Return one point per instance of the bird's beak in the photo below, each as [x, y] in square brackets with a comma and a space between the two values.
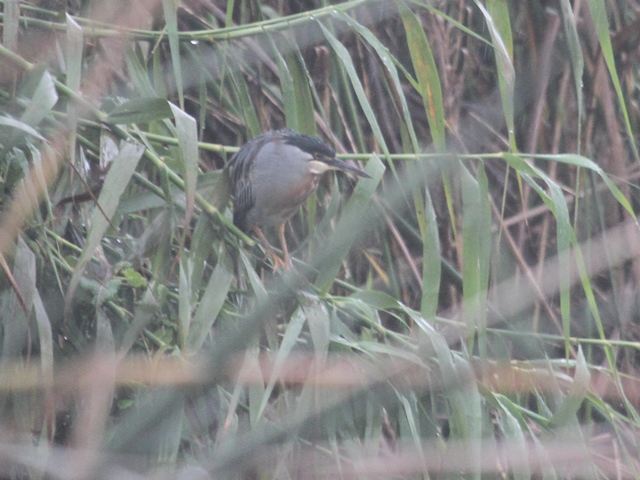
[336, 164]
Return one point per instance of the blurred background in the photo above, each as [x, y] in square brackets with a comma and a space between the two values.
[470, 311]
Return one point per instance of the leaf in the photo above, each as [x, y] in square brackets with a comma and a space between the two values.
[18, 304]
[514, 437]
[140, 110]
[303, 98]
[43, 99]
[577, 61]
[388, 61]
[568, 409]
[144, 312]
[45, 339]
[356, 84]
[122, 168]
[583, 162]
[288, 90]
[16, 124]
[75, 45]
[249, 112]
[318, 321]
[289, 340]
[349, 225]
[187, 134]
[211, 303]
[600, 19]
[500, 31]
[426, 72]
[170, 7]
[185, 296]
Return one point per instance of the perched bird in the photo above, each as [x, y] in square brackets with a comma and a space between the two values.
[272, 175]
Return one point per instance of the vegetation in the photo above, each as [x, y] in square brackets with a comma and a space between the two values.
[469, 311]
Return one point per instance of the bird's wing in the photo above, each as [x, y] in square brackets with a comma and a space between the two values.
[242, 203]
[240, 166]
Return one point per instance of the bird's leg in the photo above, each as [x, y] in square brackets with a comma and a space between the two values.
[283, 245]
[277, 261]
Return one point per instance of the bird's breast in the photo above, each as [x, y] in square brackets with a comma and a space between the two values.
[276, 201]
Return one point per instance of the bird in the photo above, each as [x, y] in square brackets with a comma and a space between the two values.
[272, 175]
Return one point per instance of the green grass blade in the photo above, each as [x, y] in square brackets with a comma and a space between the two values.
[140, 110]
[583, 162]
[427, 75]
[211, 303]
[248, 109]
[574, 399]
[346, 232]
[289, 341]
[289, 99]
[347, 62]
[510, 426]
[120, 173]
[74, 57]
[471, 232]
[186, 299]
[16, 317]
[577, 61]
[41, 101]
[169, 7]
[389, 63]
[187, 135]
[600, 19]
[431, 269]
[497, 20]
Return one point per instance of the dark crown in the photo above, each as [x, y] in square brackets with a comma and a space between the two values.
[306, 143]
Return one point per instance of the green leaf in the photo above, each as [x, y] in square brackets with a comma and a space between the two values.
[249, 111]
[134, 278]
[499, 26]
[347, 62]
[170, 7]
[75, 45]
[211, 303]
[389, 63]
[350, 222]
[427, 75]
[120, 173]
[577, 61]
[583, 162]
[318, 321]
[476, 249]
[599, 15]
[303, 98]
[144, 313]
[45, 339]
[289, 341]
[140, 110]
[139, 75]
[15, 321]
[187, 134]
[18, 125]
[568, 409]
[185, 296]
[288, 90]
[42, 100]
[514, 437]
